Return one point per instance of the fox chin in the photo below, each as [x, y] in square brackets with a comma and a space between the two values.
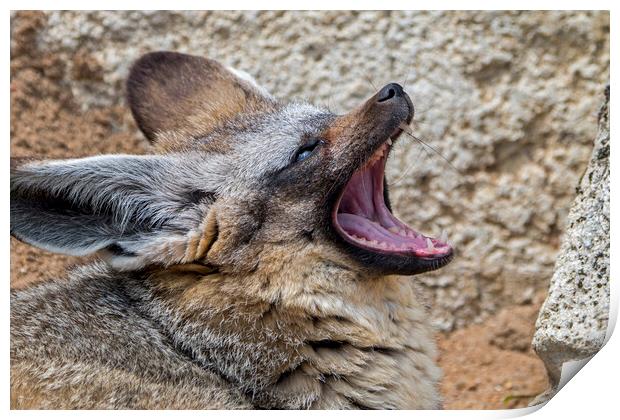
[251, 261]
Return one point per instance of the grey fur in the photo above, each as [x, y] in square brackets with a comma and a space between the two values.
[88, 327]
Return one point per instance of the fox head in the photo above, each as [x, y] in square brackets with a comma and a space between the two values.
[243, 169]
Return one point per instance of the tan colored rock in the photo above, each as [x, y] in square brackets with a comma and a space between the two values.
[506, 97]
[512, 328]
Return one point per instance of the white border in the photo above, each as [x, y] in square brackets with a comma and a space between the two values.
[592, 395]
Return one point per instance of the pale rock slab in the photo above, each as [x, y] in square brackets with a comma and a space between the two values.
[572, 323]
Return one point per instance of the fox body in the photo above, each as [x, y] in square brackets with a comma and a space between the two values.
[252, 261]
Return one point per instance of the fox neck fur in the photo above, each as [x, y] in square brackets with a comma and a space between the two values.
[306, 331]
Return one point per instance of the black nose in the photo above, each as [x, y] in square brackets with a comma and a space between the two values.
[392, 90]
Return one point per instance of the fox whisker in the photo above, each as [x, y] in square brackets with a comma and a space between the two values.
[369, 80]
[405, 173]
[407, 130]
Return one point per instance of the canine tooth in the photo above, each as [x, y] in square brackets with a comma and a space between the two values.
[404, 127]
[444, 236]
[389, 141]
[429, 244]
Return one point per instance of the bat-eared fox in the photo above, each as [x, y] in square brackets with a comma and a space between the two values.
[251, 261]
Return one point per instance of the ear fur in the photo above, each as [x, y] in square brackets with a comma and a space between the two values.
[135, 210]
[170, 248]
[181, 95]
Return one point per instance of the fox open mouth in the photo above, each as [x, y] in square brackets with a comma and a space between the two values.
[363, 219]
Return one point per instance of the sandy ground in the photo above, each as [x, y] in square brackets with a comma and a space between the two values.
[486, 366]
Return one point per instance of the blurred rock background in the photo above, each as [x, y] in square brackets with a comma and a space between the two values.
[509, 98]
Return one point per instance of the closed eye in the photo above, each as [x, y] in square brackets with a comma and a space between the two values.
[305, 151]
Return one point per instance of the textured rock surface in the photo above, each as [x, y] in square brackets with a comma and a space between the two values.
[573, 320]
[506, 97]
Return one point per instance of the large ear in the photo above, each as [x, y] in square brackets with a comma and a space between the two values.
[181, 95]
[135, 210]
